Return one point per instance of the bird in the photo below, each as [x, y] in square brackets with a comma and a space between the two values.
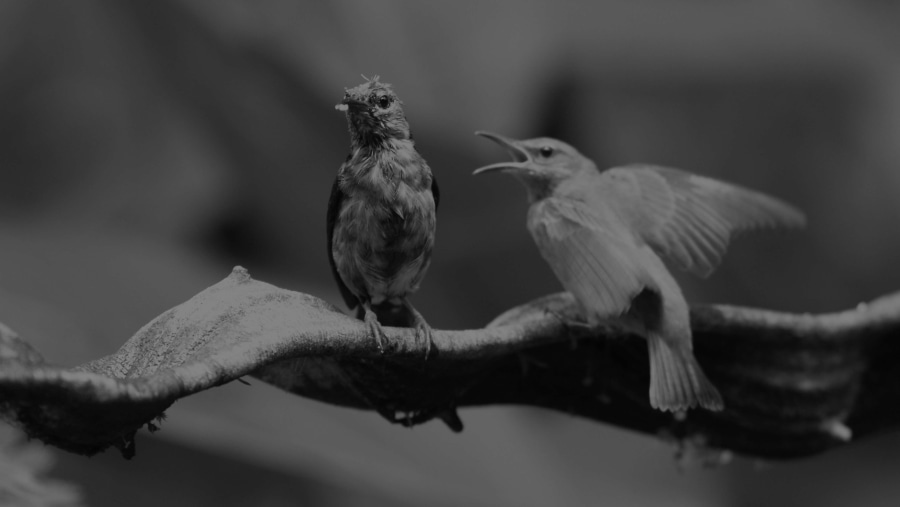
[604, 234]
[381, 216]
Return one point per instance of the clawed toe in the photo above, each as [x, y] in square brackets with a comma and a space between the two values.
[424, 337]
[374, 329]
[424, 332]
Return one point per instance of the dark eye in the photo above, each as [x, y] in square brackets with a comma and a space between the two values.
[384, 102]
[546, 152]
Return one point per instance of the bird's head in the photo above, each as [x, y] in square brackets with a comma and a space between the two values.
[374, 113]
[540, 163]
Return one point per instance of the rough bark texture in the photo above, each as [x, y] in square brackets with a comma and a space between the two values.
[793, 385]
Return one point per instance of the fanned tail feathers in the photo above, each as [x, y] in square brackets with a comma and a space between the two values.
[676, 380]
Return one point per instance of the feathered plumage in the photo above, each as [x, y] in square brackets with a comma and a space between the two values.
[603, 233]
[381, 214]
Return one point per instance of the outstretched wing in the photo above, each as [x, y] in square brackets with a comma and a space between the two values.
[598, 267]
[334, 207]
[686, 217]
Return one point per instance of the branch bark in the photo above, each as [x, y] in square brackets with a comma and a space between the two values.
[793, 385]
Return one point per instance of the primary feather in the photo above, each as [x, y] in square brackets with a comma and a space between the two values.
[686, 217]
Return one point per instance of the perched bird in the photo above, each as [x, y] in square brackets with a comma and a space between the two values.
[603, 233]
[381, 214]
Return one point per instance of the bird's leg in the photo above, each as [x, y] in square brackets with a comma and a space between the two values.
[423, 330]
[373, 326]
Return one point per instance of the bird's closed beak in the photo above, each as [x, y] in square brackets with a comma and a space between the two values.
[351, 104]
[521, 158]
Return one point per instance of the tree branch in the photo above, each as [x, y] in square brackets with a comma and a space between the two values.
[793, 385]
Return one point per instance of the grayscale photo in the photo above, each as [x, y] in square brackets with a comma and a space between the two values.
[419, 253]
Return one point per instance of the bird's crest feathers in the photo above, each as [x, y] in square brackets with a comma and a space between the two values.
[371, 86]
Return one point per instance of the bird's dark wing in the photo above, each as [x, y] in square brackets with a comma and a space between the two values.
[334, 207]
[435, 192]
[686, 217]
[599, 267]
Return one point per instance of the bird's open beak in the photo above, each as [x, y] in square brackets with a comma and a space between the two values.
[521, 158]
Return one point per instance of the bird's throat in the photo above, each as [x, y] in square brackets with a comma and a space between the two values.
[537, 188]
[387, 165]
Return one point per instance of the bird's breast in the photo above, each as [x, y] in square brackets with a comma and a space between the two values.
[384, 235]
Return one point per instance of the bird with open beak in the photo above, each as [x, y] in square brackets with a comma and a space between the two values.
[382, 214]
[603, 234]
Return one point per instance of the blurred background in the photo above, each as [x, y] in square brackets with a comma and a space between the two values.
[147, 147]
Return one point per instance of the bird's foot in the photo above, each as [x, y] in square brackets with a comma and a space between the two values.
[423, 332]
[374, 329]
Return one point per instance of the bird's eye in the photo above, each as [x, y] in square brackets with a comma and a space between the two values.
[546, 151]
[384, 102]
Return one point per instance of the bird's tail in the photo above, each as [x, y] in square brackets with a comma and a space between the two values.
[676, 380]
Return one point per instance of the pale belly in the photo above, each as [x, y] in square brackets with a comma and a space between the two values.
[382, 252]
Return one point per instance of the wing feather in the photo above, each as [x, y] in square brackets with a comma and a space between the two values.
[596, 266]
[686, 217]
[334, 208]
